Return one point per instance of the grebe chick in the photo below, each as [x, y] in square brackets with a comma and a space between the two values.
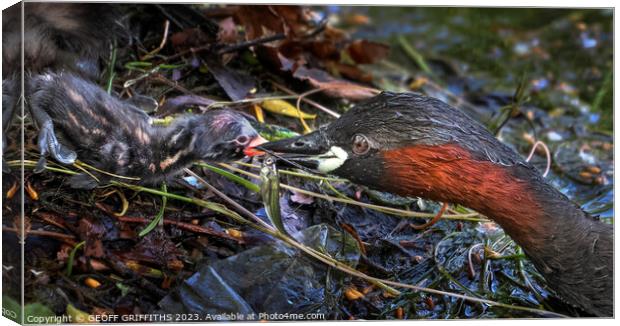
[114, 136]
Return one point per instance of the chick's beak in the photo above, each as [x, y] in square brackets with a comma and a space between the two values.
[250, 149]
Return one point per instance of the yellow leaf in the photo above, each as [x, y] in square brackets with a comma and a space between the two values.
[285, 108]
[418, 83]
[260, 116]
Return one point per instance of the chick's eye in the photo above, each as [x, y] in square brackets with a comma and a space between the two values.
[360, 144]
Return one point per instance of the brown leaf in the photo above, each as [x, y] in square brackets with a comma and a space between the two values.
[295, 19]
[334, 34]
[334, 87]
[365, 52]
[351, 72]
[189, 37]
[324, 50]
[92, 231]
[257, 19]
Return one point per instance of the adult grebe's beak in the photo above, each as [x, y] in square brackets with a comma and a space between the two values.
[309, 151]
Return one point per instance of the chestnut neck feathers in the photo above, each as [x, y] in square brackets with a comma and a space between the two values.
[427, 148]
[572, 250]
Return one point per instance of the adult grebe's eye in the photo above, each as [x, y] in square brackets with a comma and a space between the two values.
[360, 144]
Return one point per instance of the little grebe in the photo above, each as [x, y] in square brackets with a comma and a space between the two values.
[415, 145]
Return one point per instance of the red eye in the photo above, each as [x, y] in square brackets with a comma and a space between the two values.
[360, 144]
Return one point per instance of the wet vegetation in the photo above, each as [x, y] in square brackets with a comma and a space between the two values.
[244, 238]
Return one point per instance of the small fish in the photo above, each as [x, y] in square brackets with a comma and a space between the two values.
[270, 192]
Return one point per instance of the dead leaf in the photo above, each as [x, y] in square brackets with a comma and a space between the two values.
[259, 20]
[285, 108]
[258, 112]
[237, 85]
[324, 50]
[334, 87]
[366, 52]
[189, 37]
[334, 34]
[352, 72]
[353, 232]
[417, 83]
[295, 19]
[92, 231]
